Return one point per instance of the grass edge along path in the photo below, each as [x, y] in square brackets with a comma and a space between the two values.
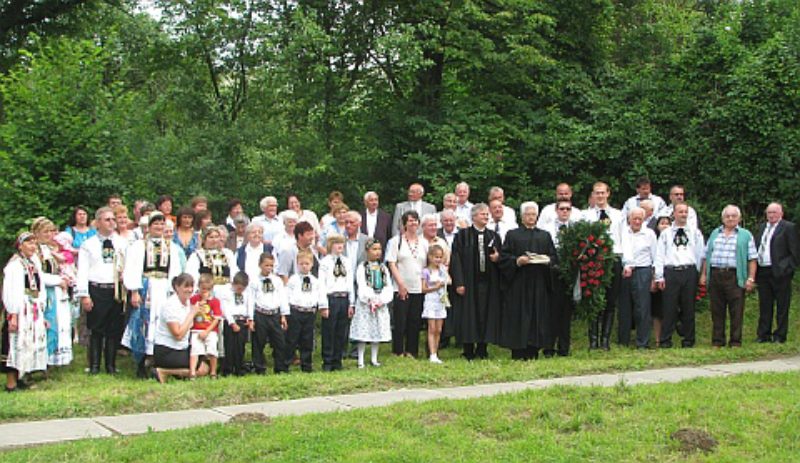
[70, 393]
[748, 417]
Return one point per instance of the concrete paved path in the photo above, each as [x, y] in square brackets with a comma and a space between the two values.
[43, 432]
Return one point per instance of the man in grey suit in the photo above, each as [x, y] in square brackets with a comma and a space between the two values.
[375, 222]
[415, 203]
[778, 256]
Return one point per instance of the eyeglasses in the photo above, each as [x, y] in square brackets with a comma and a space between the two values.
[564, 208]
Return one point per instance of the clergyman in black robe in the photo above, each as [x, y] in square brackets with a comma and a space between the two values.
[476, 279]
[526, 318]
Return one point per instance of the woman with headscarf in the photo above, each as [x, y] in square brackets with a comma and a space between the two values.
[24, 334]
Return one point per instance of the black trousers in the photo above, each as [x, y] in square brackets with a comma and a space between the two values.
[301, 334]
[561, 321]
[106, 318]
[407, 323]
[235, 343]
[334, 333]
[774, 297]
[678, 300]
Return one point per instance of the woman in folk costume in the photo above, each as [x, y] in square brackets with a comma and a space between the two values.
[213, 258]
[150, 266]
[57, 310]
[24, 332]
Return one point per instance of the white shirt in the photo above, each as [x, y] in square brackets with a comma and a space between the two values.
[502, 227]
[351, 250]
[334, 284]
[548, 215]
[271, 226]
[280, 241]
[450, 236]
[614, 229]
[175, 312]
[410, 261]
[668, 254]
[638, 248]
[231, 308]
[372, 222]
[251, 257]
[271, 300]
[554, 228]
[464, 212]
[634, 201]
[509, 215]
[93, 268]
[764, 257]
[315, 296]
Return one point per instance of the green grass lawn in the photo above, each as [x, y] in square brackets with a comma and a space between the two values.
[751, 417]
[69, 392]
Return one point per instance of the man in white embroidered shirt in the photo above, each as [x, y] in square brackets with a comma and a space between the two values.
[679, 255]
[601, 211]
[638, 254]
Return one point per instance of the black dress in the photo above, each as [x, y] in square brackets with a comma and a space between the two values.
[526, 314]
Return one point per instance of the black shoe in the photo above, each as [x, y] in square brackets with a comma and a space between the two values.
[763, 340]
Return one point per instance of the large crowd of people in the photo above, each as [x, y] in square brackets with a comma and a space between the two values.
[185, 296]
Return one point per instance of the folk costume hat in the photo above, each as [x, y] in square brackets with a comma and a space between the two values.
[23, 237]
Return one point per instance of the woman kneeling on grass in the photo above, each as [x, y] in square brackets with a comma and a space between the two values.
[171, 350]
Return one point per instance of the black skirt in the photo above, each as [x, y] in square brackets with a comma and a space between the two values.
[165, 357]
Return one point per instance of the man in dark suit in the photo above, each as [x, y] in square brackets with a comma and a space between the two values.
[414, 203]
[778, 256]
[375, 222]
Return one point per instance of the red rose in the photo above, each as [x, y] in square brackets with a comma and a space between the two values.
[590, 238]
[585, 267]
[601, 272]
[583, 258]
[582, 244]
[575, 253]
[583, 284]
[583, 276]
[591, 273]
[591, 251]
[599, 242]
[587, 293]
[600, 258]
[605, 249]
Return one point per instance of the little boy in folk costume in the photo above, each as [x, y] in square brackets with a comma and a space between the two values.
[237, 310]
[204, 338]
[338, 306]
[270, 313]
[306, 294]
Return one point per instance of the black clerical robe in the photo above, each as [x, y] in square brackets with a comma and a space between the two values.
[474, 322]
[526, 316]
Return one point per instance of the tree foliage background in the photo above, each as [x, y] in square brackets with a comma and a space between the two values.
[243, 98]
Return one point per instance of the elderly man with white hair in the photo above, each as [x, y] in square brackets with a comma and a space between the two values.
[375, 222]
[270, 223]
[638, 255]
[730, 270]
[476, 279]
[415, 203]
[248, 254]
[527, 257]
[463, 206]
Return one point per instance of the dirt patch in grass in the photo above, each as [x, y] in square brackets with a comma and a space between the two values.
[440, 418]
[693, 440]
[249, 418]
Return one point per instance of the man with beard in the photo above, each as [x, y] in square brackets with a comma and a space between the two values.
[527, 256]
[476, 278]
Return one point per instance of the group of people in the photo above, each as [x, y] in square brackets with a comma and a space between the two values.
[180, 293]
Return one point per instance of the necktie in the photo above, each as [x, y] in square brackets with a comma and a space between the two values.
[481, 253]
[561, 227]
[306, 288]
[108, 251]
[497, 227]
[680, 239]
[267, 286]
[604, 217]
[762, 248]
[338, 268]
